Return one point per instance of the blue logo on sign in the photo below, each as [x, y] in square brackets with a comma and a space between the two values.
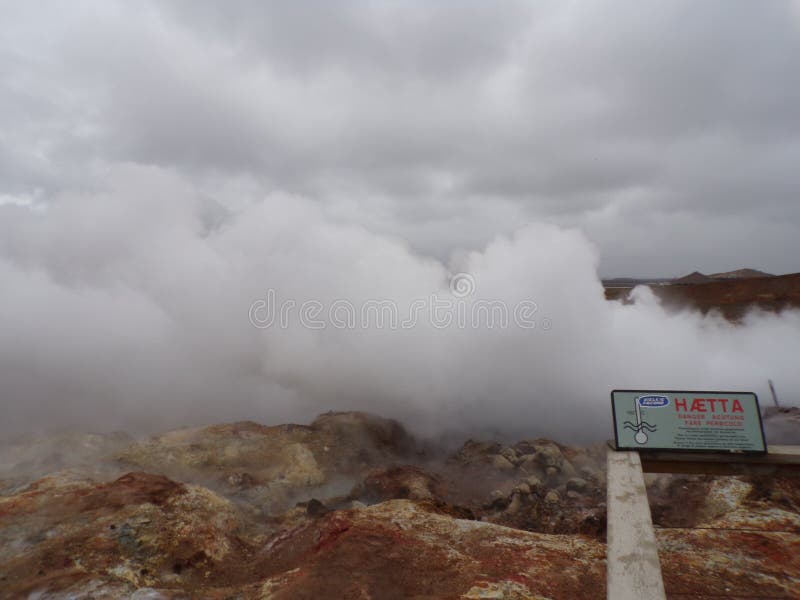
[653, 401]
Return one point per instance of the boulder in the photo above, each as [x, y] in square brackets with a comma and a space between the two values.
[501, 463]
[576, 484]
[523, 488]
[476, 453]
[528, 464]
[397, 482]
[534, 483]
[510, 454]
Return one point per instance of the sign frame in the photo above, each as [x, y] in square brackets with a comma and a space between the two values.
[651, 449]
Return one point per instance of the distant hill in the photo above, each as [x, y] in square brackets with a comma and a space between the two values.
[693, 278]
[698, 277]
[629, 282]
[741, 274]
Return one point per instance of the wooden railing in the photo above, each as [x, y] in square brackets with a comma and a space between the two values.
[634, 571]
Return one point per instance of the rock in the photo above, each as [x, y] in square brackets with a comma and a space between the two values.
[315, 508]
[125, 534]
[271, 467]
[552, 497]
[567, 470]
[573, 495]
[353, 555]
[396, 483]
[515, 505]
[523, 488]
[534, 483]
[502, 590]
[549, 456]
[724, 496]
[526, 461]
[576, 484]
[476, 453]
[501, 463]
[528, 464]
[498, 500]
[301, 468]
[241, 480]
[715, 563]
[367, 431]
[510, 454]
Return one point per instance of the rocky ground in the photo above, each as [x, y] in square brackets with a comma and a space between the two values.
[352, 506]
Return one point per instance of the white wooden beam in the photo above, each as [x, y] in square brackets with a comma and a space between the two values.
[634, 571]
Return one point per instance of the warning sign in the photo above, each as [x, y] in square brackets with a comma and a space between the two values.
[687, 421]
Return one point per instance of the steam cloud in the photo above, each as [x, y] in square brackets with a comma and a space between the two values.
[127, 307]
[164, 164]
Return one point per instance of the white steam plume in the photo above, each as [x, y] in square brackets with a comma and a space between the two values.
[129, 308]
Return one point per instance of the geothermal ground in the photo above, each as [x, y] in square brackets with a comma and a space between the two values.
[353, 506]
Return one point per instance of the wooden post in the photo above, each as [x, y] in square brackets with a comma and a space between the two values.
[634, 571]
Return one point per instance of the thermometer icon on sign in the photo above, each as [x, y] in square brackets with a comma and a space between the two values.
[642, 427]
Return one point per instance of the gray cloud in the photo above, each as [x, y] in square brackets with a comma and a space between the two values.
[383, 40]
[557, 108]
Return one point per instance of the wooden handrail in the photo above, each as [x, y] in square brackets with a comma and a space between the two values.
[633, 567]
[634, 572]
[777, 459]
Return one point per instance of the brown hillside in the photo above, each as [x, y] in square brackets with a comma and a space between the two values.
[741, 274]
[733, 297]
[693, 278]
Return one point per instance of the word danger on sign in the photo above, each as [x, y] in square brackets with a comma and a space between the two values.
[687, 421]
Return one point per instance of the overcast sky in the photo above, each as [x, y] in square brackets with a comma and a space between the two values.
[669, 131]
